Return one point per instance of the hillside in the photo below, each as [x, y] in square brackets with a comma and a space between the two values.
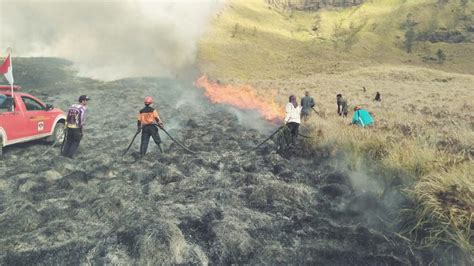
[416, 53]
[254, 40]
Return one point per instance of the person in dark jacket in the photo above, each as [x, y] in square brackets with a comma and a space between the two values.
[148, 123]
[75, 121]
[307, 103]
[342, 109]
[378, 97]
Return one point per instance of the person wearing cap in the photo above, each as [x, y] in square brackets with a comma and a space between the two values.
[148, 123]
[361, 117]
[75, 121]
[307, 103]
[293, 117]
[342, 109]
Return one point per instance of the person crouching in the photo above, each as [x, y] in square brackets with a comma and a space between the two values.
[148, 123]
[362, 117]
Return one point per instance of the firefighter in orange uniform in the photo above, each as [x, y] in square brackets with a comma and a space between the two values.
[148, 123]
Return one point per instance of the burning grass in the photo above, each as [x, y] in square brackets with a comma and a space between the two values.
[243, 97]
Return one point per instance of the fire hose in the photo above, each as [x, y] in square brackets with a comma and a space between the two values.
[308, 137]
[177, 142]
[164, 130]
[315, 111]
[129, 145]
[261, 143]
[56, 142]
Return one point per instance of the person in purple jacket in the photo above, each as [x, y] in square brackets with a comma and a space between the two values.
[75, 121]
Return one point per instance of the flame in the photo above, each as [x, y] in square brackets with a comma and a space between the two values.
[241, 96]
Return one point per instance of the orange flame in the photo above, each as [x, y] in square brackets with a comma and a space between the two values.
[243, 96]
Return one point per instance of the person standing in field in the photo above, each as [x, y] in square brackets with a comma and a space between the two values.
[377, 97]
[76, 118]
[342, 109]
[307, 103]
[293, 117]
[148, 123]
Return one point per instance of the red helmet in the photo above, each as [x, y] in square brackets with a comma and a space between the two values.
[148, 100]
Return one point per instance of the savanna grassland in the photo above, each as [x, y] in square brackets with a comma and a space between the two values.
[417, 54]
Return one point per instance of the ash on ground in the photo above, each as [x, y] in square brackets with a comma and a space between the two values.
[217, 206]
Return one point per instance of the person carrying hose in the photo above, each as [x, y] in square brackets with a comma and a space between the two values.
[148, 123]
[293, 117]
[75, 121]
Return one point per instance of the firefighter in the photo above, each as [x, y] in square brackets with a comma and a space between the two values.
[307, 103]
[148, 123]
[293, 117]
[76, 118]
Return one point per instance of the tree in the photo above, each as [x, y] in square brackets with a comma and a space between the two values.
[236, 30]
[441, 56]
[409, 39]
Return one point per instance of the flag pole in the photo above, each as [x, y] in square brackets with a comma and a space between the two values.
[11, 84]
[9, 50]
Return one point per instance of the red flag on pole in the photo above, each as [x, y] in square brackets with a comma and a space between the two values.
[7, 70]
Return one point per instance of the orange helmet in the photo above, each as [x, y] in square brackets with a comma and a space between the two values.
[148, 100]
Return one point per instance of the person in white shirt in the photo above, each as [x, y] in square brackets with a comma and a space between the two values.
[293, 117]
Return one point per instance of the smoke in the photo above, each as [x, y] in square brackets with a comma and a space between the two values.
[108, 39]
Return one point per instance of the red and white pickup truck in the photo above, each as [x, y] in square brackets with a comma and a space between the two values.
[28, 119]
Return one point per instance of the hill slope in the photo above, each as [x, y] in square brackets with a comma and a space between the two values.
[251, 40]
[424, 128]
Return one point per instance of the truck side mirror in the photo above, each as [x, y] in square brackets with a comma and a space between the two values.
[49, 107]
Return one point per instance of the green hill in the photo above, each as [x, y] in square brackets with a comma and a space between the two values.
[255, 40]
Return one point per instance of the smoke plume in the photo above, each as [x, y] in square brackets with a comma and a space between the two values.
[108, 39]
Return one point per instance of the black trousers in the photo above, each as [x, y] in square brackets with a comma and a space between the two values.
[73, 138]
[147, 131]
[294, 128]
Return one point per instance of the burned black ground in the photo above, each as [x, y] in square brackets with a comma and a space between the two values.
[215, 207]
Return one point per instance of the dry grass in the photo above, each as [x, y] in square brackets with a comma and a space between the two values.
[423, 137]
[445, 207]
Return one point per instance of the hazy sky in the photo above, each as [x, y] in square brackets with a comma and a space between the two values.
[107, 39]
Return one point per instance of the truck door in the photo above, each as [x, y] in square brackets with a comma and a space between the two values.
[38, 122]
[12, 122]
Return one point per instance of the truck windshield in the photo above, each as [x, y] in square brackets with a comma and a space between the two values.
[5, 103]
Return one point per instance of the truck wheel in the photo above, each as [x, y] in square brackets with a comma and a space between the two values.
[58, 133]
[1, 145]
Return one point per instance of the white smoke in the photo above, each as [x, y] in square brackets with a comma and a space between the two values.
[108, 39]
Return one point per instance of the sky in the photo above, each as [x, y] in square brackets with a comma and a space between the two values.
[108, 39]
